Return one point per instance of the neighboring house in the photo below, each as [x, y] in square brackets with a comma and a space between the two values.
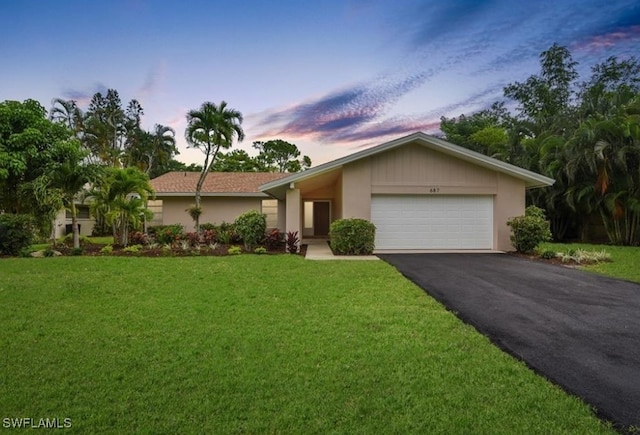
[62, 223]
[225, 196]
[421, 192]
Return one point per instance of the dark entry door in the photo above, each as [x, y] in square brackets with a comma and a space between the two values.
[321, 218]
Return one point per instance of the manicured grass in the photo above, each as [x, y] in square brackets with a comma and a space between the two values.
[624, 259]
[256, 344]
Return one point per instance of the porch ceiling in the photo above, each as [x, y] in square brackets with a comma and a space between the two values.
[319, 181]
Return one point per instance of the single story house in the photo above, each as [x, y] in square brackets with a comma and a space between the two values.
[224, 197]
[421, 192]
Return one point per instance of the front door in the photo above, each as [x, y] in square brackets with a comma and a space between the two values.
[321, 218]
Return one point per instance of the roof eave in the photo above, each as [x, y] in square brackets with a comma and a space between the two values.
[532, 179]
[214, 194]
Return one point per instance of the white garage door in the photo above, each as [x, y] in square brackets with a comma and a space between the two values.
[432, 221]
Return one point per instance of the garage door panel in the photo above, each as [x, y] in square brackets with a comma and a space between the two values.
[432, 222]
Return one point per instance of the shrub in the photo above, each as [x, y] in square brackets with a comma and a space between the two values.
[227, 234]
[292, 242]
[548, 255]
[251, 227]
[209, 236]
[583, 256]
[185, 245]
[167, 234]
[208, 226]
[273, 239]
[234, 250]
[193, 239]
[352, 237]
[260, 250]
[16, 233]
[528, 231]
[77, 251]
[107, 250]
[133, 249]
[138, 238]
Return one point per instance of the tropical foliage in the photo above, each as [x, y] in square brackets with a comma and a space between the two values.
[120, 199]
[585, 135]
[113, 136]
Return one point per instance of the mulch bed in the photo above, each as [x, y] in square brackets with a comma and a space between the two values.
[221, 250]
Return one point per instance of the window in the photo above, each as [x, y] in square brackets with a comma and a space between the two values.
[82, 212]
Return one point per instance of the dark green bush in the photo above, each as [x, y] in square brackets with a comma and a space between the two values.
[352, 237]
[251, 227]
[16, 233]
[226, 234]
[548, 255]
[528, 231]
[77, 251]
[166, 234]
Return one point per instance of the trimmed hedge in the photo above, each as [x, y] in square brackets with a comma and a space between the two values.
[251, 227]
[352, 237]
[528, 231]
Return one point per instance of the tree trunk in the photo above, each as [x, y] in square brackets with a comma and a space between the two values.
[205, 170]
[123, 232]
[74, 226]
[203, 175]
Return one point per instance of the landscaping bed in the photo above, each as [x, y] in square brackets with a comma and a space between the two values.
[95, 249]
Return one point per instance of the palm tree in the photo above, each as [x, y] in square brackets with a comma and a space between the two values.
[66, 176]
[210, 128]
[604, 166]
[68, 113]
[122, 199]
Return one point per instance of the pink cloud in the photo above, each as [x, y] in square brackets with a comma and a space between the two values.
[608, 40]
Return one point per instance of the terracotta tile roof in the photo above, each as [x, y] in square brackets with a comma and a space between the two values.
[216, 182]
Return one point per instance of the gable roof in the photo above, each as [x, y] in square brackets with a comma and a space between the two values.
[530, 178]
[216, 183]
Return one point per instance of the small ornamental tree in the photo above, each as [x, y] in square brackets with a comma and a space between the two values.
[528, 231]
[352, 237]
[251, 227]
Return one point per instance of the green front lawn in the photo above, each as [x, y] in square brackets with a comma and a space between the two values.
[256, 344]
[624, 259]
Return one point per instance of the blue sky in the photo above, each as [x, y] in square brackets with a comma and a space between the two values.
[330, 76]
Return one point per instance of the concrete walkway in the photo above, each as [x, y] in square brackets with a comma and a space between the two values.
[318, 249]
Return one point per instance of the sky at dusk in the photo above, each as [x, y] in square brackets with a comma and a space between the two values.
[330, 76]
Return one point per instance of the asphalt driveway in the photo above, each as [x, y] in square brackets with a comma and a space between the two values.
[578, 329]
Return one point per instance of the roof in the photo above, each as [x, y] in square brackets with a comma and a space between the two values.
[216, 183]
[530, 178]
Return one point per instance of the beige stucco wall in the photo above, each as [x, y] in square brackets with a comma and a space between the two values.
[509, 202]
[415, 169]
[293, 219]
[214, 209]
[336, 204]
[356, 190]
